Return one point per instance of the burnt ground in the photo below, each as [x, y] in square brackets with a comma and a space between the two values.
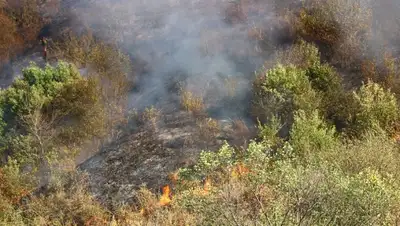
[146, 156]
[216, 48]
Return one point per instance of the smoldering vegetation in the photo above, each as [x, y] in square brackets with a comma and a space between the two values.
[215, 100]
[202, 47]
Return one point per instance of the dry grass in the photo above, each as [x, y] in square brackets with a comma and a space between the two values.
[208, 130]
[340, 26]
[240, 128]
[231, 85]
[150, 116]
[192, 103]
[106, 64]
[10, 41]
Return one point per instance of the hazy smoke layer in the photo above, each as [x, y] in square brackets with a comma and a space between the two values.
[201, 46]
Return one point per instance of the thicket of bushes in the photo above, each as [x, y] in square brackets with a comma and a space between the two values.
[20, 25]
[315, 175]
[325, 154]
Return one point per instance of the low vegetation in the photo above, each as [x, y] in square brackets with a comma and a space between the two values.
[327, 151]
[20, 25]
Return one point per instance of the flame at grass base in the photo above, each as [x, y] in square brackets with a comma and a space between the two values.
[165, 199]
[239, 170]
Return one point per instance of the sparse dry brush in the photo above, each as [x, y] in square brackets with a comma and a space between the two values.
[107, 65]
[20, 24]
[324, 154]
[340, 28]
[384, 71]
[241, 131]
[231, 85]
[10, 41]
[209, 128]
[151, 116]
[192, 103]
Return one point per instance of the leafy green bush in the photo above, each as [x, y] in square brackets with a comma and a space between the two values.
[284, 192]
[375, 107]
[36, 88]
[336, 104]
[302, 54]
[106, 64]
[310, 134]
[47, 110]
[280, 92]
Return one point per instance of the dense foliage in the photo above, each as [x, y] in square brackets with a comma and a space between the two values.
[326, 153]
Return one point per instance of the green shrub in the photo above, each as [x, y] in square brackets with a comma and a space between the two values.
[322, 195]
[336, 104]
[106, 64]
[302, 55]
[14, 186]
[47, 110]
[67, 202]
[36, 88]
[79, 108]
[280, 92]
[310, 135]
[375, 106]
[375, 151]
[284, 192]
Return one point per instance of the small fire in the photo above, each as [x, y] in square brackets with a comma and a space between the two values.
[396, 137]
[95, 221]
[207, 185]
[239, 170]
[165, 199]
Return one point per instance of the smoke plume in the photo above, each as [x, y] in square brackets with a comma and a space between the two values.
[201, 46]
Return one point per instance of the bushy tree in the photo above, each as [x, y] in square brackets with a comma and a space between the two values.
[375, 107]
[280, 92]
[42, 107]
[339, 26]
[302, 55]
[106, 64]
[310, 134]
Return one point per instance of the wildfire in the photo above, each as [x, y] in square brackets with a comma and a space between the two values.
[239, 170]
[207, 185]
[396, 137]
[165, 199]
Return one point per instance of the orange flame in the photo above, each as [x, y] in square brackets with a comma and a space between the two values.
[95, 221]
[166, 196]
[396, 137]
[206, 187]
[239, 170]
